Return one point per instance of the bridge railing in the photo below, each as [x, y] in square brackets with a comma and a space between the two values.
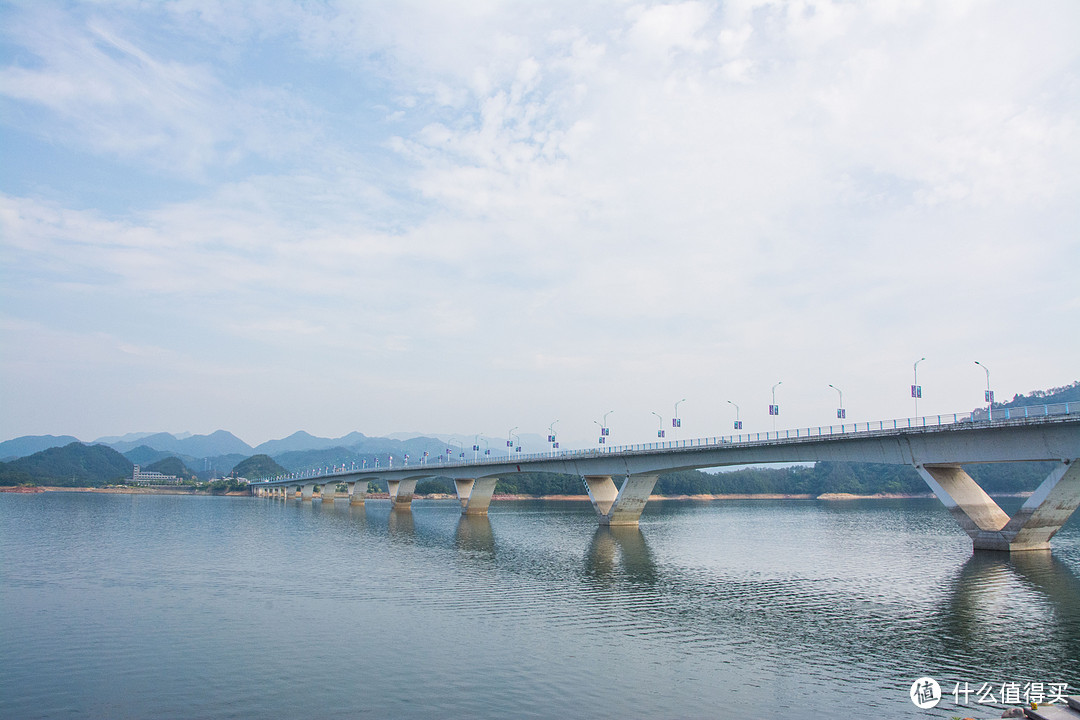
[846, 429]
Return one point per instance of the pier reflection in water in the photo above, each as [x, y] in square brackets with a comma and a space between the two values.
[620, 553]
[1009, 607]
[474, 534]
[178, 607]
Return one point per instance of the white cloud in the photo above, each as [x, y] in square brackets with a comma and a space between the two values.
[660, 30]
[111, 95]
[573, 207]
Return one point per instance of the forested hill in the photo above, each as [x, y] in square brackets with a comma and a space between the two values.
[73, 465]
[258, 466]
[1068, 393]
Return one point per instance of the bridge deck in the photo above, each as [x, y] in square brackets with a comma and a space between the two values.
[795, 445]
[936, 450]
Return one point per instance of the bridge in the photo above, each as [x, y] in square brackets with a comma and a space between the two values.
[936, 446]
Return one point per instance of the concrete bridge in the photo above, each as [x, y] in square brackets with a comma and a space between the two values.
[937, 447]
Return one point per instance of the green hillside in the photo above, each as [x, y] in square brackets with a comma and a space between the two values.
[73, 465]
[257, 466]
[1068, 393]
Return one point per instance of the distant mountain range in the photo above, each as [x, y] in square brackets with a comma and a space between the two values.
[55, 459]
[301, 440]
[219, 452]
[220, 447]
[30, 444]
[220, 442]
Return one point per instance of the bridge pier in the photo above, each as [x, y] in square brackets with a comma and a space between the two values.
[357, 495]
[401, 493]
[475, 494]
[990, 527]
[328, 491]
[620, 506]
[307, 492]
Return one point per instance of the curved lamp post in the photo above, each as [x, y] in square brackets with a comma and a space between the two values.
[774, 409]
[551, 437]
[604, 430]
[675, 421]
[738, 422]
[510, 443]
[916, 389]
[841, 414]
[660, 431]
[989, 393]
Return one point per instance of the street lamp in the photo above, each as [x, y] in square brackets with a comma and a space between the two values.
[916, 389]
[738, 422]
[604, 430]
[841, 414]
[551, 437]
[510, 443]
[989, 393]
[675, 421]
[774, 409]
[659, 432]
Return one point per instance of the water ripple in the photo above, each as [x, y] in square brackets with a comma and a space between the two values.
[184, 607]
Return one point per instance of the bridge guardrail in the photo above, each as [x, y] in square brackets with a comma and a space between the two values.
[981, 415]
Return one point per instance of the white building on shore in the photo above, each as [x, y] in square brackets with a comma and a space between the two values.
[140, 477]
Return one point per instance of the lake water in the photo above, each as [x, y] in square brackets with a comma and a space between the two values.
[118, 606]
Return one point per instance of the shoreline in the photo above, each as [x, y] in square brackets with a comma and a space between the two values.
[832, 497]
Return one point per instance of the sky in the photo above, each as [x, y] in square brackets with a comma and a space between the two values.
[469, 217]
